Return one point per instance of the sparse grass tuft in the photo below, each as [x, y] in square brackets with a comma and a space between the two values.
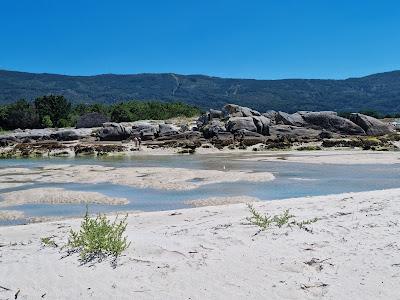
[99, 238]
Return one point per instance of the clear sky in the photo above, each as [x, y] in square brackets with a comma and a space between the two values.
[245, 39]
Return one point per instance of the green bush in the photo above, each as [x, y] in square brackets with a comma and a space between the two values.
[46, 122]
[99, 238]
[137, 110]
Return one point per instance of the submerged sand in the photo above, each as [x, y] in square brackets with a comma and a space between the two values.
[351, 252]
[57, 196]
[10, 215]
[141, 177]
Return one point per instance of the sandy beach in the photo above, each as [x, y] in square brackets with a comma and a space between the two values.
[214, 253]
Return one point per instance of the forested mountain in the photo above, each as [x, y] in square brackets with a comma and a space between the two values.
[380, 92]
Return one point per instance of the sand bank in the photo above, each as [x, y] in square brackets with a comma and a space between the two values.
[214, 201]
[351, 252]
[141, 177]
[56, 196]
[9, 215]
[328, 157]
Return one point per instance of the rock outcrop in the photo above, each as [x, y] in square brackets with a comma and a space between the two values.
[330, 121]
[233, 126]
[289, 119]
[213, 128]
[240, 123]
[70, 134]
[168, 129]
[114, 132]
[370, 125]
[233, 110]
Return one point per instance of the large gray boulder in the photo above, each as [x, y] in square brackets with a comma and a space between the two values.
[168, 129]
[203, 120]
[294, 133]
[114, 132]
[215, 114]
[262, 123]
[332, 122]
[370, 125]
[240, 123]
[272, 115]
[290, 119]
[249, 138]
[145, 131]
[93, 119]
[209, 116]
[70, 134]
[222, 139]
[213, 128]
[233, 110]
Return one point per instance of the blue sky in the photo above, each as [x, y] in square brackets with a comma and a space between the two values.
[243, 39]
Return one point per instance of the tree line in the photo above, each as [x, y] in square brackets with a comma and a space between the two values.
[57, 111]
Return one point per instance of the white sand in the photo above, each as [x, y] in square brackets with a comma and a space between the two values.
[142, 177]
[214, 201]
[56, 196]
[329, 157]
[212, 253]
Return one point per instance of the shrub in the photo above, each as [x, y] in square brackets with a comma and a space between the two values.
[265, 221]
[99, 238]
[262, 221]
[46, 122]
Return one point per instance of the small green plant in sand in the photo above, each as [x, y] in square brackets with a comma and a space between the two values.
[262, 221]
[282, 219]
[302, 224]
[48, 242]
[285, 218]
[99, 238]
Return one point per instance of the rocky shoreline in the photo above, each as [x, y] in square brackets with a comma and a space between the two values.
[233, 127]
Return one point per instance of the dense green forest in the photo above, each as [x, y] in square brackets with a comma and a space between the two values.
[378, 92]
[57, 111]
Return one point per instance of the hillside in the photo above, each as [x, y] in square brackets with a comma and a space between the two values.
[380, 92]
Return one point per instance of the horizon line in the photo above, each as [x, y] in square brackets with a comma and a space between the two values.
[192, 74]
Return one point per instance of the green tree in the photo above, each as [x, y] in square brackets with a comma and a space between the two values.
[56, 107]
[120, 113]
[21, 114]
[46, 122]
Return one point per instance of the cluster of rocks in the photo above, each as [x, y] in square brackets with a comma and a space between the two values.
[233, 126]
[248, 126]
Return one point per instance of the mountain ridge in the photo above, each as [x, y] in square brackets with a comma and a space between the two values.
[379, 92]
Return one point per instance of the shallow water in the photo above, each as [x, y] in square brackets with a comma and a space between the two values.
[292, 180]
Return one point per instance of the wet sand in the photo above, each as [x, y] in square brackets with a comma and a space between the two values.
[56, 196]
